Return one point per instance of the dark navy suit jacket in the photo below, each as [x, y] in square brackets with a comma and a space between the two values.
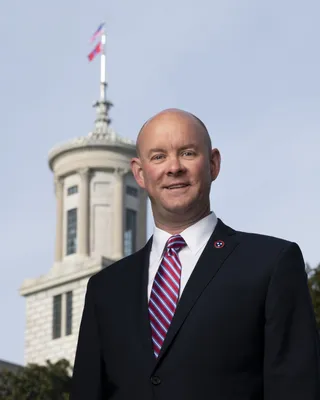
[244, 328]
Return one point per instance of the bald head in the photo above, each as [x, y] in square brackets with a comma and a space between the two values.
[172, 114]
[176, 166]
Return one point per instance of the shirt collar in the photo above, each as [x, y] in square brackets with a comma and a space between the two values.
[196, 235]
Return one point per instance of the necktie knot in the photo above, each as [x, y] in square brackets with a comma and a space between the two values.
[176, 243]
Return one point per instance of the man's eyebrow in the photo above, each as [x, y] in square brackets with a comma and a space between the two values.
[156, 150]
[189, 146]
[161, 150]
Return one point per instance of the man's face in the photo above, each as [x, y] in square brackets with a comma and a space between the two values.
[176, 165]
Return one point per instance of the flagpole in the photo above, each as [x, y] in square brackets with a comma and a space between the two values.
[102, 105]
[103, 82]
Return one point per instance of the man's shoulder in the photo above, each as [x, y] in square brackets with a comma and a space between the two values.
[266, 250]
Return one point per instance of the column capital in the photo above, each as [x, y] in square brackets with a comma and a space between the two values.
[120, 172]
[84, 172]
[58, 179]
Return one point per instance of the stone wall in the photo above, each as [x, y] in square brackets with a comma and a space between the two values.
[39, 344]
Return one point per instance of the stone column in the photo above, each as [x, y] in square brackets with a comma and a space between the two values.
[58, 182]
[83, 228]
[118, 213]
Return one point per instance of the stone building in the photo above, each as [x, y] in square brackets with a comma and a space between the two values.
[100, 218]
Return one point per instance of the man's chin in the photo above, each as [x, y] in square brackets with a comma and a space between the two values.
[178, 209]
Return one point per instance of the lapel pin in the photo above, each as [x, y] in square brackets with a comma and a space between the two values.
[218, 244]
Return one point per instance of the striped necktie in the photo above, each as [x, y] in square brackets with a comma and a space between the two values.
[165, 292]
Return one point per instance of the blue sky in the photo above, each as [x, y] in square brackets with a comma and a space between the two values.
[248, 69]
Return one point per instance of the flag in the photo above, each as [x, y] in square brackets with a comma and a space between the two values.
[97, 32]
[95, 51]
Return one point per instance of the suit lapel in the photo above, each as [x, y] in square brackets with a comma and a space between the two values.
[220, 245]
[142, 315]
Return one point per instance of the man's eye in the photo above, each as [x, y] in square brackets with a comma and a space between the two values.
[188, 153]
[157, 157]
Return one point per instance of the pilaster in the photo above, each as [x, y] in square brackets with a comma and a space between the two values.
[119, 212]
[83, 230]
[59, 185]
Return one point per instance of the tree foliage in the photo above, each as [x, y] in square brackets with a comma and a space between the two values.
[37, 382]
[314, 286]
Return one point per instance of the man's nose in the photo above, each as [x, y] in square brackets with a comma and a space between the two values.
[175, 166]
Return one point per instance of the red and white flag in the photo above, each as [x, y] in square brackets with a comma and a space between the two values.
[97, 50]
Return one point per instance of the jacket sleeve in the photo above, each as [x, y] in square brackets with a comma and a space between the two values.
[88, 372]
[291, 352]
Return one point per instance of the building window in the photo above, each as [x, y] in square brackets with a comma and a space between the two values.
[130, 232]
[62, 315]
[57, 311]
[72, 190]
[132, 191]
[69, 313]
[71, 231]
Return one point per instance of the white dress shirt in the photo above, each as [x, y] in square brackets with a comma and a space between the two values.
[196, 237]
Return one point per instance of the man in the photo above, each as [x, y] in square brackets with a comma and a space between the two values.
[202, 311]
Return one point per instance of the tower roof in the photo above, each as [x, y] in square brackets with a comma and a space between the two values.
[94, 139]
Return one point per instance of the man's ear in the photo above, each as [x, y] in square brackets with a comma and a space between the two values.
[137, 171]
[215, 163]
